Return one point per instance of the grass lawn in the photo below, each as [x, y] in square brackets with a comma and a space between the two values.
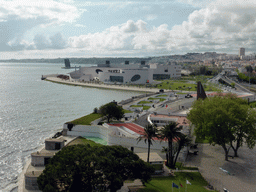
[86, 120]
[183, 85]
[83, 141]
[144, 102]
[164, 184]
[153, 98]
[144, 107]
[127, 111]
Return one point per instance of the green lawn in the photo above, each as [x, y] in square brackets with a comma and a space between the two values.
[183, 85]
[86, 120]
[144, 107]
[164, 184]
[83, 141]
[153, 98]
[144, 102]
[127, 111]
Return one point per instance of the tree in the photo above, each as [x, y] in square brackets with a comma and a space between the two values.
[203, 70]
[244, 126]
[170, 132]
[150, 133]
[225, 121]
[86, 168]
[111, 110]
[249, 68]
[183, 141]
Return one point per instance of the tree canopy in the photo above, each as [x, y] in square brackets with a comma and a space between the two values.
[85, 168]
[112, 110]
[225, 120]
[171, 132]
[149, 135]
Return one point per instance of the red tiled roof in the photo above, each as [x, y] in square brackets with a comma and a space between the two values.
[133, 127]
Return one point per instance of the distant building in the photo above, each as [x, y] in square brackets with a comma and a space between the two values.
[242, 52]
[126, 73]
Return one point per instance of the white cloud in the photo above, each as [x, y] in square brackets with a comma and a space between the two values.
[115, 37]
[33, 9]
[19, 16]
[222, 27]
[222, 24]
[57, 41]
[41, 42]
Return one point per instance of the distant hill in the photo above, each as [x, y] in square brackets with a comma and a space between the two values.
[191, 58]
[79, 60]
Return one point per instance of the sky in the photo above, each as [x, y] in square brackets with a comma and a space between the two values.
[127, 28]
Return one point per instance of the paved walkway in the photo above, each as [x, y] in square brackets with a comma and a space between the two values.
[236, 175]
[104, 86]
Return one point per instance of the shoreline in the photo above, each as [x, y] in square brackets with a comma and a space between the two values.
[102, 86]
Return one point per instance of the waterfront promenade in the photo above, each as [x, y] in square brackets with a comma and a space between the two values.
[104, 86]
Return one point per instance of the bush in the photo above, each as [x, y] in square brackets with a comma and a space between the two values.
[95, 110]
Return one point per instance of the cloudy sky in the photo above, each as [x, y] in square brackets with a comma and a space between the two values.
[78, 28]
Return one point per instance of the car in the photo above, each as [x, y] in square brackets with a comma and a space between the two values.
[188, 96]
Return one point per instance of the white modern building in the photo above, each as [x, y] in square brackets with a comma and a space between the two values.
[127, 73]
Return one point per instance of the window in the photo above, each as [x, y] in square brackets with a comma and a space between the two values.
[117, 79]
[57, 146]
[98, 70]
[166, 70]
[135, 78]
[160, 76]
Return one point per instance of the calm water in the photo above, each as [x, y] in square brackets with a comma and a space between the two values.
[32, 110]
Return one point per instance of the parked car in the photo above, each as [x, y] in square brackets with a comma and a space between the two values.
[188, 96]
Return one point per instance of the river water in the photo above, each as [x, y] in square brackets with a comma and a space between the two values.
[32, 110]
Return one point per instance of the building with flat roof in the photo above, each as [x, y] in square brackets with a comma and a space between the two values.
[126, 73]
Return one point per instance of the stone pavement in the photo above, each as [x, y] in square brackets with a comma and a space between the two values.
[236, 175]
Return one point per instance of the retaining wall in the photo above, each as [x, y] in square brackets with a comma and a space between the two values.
[111, 135]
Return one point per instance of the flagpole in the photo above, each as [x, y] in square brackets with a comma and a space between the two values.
[186, 186]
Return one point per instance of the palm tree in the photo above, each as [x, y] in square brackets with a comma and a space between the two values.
[183, 141]
[150, 133]
[170, 132]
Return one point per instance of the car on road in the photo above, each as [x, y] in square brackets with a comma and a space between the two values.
[188, 96]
